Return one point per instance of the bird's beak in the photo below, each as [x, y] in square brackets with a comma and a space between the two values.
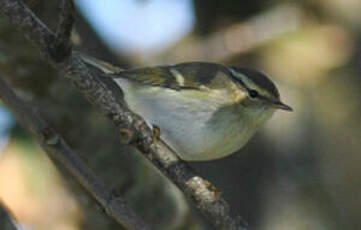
[281, 105]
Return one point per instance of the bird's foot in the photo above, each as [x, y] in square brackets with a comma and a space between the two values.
[156, 133]
[212, 188]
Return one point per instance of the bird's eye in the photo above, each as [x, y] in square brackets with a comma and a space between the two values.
[253, 93]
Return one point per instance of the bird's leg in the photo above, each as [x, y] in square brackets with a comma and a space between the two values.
[156, 133]
[211, 187]
[125, 135]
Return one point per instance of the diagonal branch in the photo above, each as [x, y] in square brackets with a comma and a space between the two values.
[59, 151]
[198, 190]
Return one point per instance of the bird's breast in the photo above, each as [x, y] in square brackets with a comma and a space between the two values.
[190, 121]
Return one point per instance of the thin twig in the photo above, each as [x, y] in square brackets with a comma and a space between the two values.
[198, 190]
[59, 151]
[66, 21]
[7, 222]
[62, 44]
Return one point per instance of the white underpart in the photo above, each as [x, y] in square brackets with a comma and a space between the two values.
[203, 87]
[178, 77]
[183, 118]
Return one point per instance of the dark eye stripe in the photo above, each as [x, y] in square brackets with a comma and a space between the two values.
[259, 79]
[253, 93]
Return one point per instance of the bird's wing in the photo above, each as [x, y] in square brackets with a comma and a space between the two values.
[193, 75]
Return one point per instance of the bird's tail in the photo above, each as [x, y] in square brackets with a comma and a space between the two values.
[103, 66]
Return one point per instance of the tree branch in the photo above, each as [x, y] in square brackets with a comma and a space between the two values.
[199, 191]
[59, 151]
[62, 44]
[6, 220]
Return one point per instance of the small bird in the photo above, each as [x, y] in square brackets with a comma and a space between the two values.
[204, 111]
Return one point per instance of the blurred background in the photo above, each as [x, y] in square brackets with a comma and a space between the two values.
[302, 169]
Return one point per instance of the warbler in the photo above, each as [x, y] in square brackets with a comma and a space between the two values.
[204, 111]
